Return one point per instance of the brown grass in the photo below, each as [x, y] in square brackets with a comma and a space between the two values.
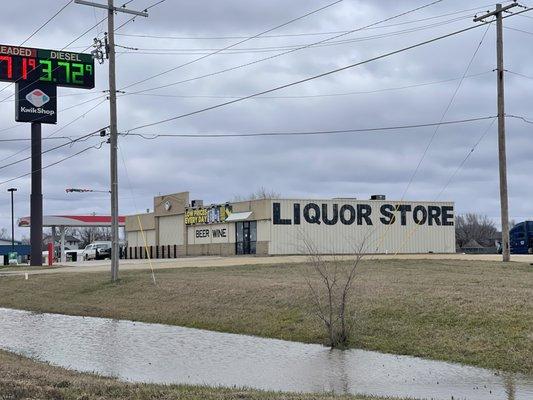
[479, 313]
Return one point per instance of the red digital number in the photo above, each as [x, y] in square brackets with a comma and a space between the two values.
[9, 62]
[25, 63]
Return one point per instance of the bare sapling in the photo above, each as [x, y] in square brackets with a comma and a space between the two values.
[331, 285]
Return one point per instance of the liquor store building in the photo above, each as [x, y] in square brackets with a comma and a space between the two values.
[179, 227]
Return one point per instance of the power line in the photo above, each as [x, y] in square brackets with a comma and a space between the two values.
[64, 47]
[298, 34]
[38, 30]
[304, 133]
[310, 96]
[527, 121]
[519, 74]
[15, 140]
[273, 56]
[331, 72]
[54, 132]
[283, 53]
[266, 49]
[518, 30]
[435, 132]
[135, 16]
[47, 22]
[463, 162]
[448, 106]
[54, 163]
[233, 45]
[81, 138]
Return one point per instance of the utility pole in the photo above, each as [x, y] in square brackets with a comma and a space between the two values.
[504, 198]
[113, 126]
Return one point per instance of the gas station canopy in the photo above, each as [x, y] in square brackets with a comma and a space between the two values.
[78, 221]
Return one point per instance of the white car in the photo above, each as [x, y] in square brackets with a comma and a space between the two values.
[96, 250]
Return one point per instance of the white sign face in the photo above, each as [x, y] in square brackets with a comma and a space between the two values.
[215, 233]
[340, 227]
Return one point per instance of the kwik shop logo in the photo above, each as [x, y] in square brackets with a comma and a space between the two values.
[38, 98]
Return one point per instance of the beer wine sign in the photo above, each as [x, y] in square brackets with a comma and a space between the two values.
[37, 73]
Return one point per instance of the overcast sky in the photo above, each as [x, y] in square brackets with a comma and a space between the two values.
[217, 169]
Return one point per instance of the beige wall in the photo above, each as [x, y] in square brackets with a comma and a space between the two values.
[135, 238]
[147, 222]
[261, 208]
[171, 230]
[178, 202]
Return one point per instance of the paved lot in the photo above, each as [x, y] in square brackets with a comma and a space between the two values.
[202, 262]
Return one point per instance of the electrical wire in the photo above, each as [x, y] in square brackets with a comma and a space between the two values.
[54, 163]
[463, 162]
[447, 108]
[311, 96]
[233, 45]
[303, 133]
[301, 33]
[519, 74]
[38, 30]
[81, 138]
[55, 132]
[518, 30]
[409, 235]
[275, 55]
[270, 49]
[434, 135]
[64, 47]
[47, 22]
[527, 121]
[135, 16]
[327, 73]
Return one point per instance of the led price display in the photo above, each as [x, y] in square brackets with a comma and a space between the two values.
[19, 64]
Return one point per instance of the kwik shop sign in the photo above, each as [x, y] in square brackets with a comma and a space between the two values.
[333, 213]
[36, 102]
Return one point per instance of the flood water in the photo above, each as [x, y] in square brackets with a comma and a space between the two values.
[156, 353]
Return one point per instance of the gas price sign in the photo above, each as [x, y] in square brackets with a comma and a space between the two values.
[59, 68]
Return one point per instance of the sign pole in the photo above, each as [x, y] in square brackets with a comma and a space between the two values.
[36, 199]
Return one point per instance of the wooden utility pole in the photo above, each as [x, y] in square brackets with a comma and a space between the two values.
[504, 198]
[113, 125]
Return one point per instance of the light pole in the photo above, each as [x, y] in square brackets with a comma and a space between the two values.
[12, 190]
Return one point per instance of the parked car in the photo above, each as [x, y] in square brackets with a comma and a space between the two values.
[97, 251]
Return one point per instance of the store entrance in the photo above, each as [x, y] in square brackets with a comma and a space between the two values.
[246, 237]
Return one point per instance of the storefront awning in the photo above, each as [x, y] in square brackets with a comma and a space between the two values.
[240, 216]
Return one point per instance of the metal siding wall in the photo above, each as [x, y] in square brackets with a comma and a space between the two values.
[346, 239]
[171, 230]
[263, 230]
[135, 238]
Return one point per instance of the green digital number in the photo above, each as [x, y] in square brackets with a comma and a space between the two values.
[47, 70]
[77, 76]
[66, 65]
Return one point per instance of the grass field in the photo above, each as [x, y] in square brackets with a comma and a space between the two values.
[478, 313]
[21, 378]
